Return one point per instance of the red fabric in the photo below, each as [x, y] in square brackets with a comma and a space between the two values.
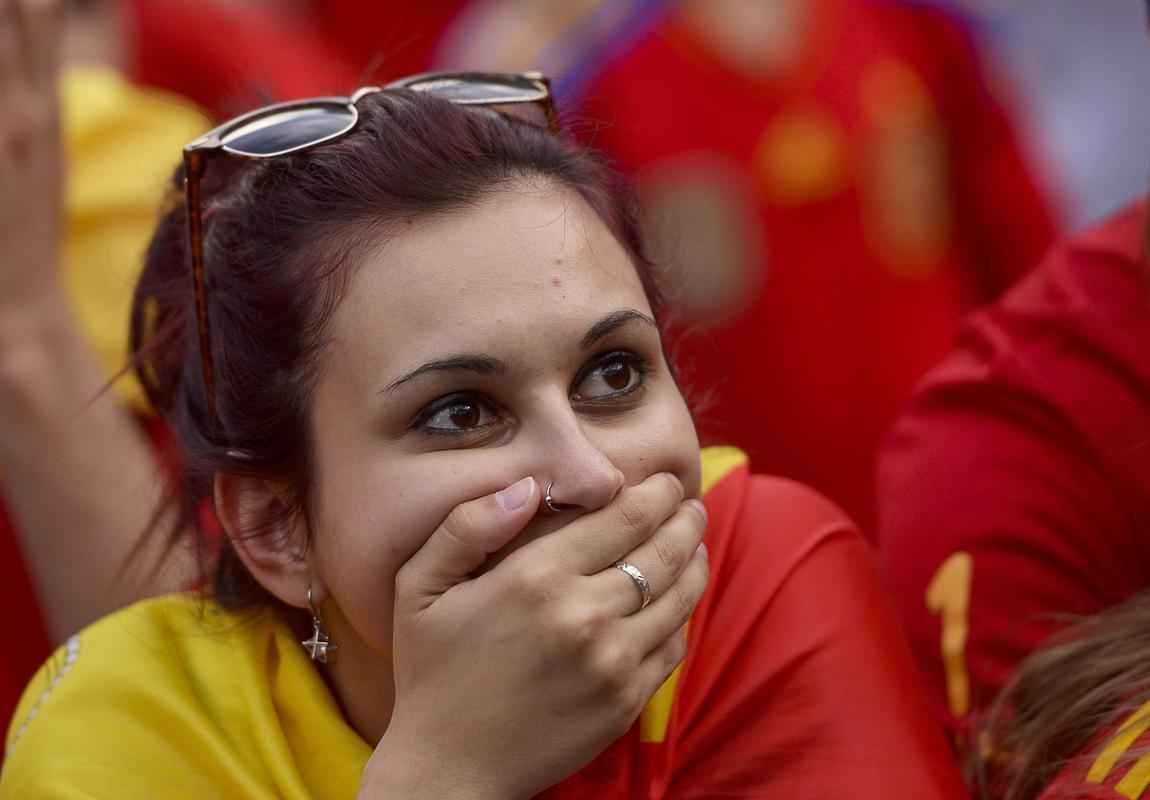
[1029, 449]
[808, 377]
[230, 59]
[398, 38]
[27, 643]
[798, 681]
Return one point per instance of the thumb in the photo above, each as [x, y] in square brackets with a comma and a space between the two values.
[459, 546]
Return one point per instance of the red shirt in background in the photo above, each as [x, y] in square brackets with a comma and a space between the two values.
[26, 642]
[890, 193]
[390, 39]
[229, 59]
[1017, 484]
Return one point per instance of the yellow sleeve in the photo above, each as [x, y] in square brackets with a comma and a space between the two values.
[122, 144]
[114, 715]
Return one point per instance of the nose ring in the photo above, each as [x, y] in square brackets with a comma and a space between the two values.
[550, 503]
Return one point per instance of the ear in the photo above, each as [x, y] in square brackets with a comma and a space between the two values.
[272, 543]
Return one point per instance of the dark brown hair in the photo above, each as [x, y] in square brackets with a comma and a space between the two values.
[282, 236]
[1065, 699]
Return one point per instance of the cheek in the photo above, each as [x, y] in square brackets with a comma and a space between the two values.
[369, 523]
[374, 513]
[665, 442]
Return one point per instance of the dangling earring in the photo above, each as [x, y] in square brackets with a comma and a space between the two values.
[319, 645]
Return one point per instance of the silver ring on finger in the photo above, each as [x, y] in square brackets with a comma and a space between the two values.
[639, 579]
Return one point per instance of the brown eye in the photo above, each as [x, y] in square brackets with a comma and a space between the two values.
[459, 415]
[617, 375]
[614, 376]
[464, 415]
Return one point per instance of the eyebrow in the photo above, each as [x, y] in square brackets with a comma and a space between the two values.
[465, 362]
[613, 322]
[480, 364]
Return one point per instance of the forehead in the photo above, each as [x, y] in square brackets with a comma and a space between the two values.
[527, 264]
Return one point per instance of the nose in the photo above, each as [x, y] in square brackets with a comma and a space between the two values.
[580, 475]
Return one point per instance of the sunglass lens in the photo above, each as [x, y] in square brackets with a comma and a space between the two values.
[289, 130]
[473, 91]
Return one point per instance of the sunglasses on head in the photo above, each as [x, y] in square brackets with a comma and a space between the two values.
[291, 127]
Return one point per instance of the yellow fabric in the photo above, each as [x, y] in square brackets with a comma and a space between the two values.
[1131, 730]
[718, 462]
[176, 698]
[1134, 784]
[122, 144]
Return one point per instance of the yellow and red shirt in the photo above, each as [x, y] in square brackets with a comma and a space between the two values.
[1119, 769]
[797, 683]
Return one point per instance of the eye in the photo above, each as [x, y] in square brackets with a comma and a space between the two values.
[614, 375]
[454, 414]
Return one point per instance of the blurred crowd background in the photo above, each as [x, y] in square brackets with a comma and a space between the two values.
[830, 184]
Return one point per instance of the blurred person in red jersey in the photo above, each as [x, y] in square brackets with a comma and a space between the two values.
[833, 184]
[227, 56]
[387, 39]
[82, 171]
[1074, 721]
[1015, 488]
[1014, 497]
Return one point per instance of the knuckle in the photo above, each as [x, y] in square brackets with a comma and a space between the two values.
[581, 627]
[670, 554]
[405, 581]
[683, 602]
[465, 527]
[612, 666]
[672, 489]
[461, 522]
[696, 521]
[534, 580]
[633, 515]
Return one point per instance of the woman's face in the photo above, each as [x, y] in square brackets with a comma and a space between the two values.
[476, 348]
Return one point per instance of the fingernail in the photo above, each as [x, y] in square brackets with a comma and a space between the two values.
[515, 495]
[702, 550]
[698, 506]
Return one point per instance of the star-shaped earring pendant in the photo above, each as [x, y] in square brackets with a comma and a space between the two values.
[319, 645]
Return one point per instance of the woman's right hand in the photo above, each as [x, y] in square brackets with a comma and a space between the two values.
[508, 682]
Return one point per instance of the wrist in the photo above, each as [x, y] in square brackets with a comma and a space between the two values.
[35, 319]
[38, 345]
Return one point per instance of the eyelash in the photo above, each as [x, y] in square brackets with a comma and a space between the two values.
[636, 362]
[640, 365]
